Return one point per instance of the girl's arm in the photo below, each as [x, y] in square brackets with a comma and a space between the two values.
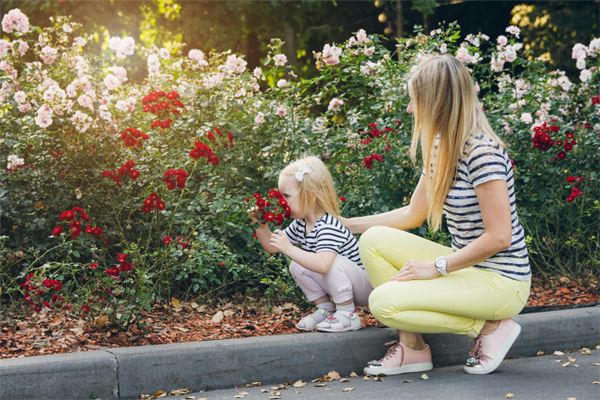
[408, 217]
[497, 236]
[263, 233]
[317, 262]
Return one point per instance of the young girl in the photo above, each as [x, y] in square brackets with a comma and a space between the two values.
[325, 260]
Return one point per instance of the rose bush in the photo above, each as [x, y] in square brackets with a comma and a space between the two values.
[154, 173]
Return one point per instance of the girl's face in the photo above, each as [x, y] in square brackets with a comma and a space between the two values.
[290, 189]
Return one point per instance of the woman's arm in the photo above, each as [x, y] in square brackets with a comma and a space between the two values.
[408, 217]
[497, 236]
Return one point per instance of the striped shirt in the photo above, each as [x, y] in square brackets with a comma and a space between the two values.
[482, 161]
[328, 235]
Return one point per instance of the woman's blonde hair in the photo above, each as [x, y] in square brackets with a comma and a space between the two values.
[446, 112]
[316, 184]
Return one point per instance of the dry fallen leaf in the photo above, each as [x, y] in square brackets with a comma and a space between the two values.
[100, 321]
[322, 384]
[509, 396]
[353, 374]
[218, 317]
[241, 395]
[299, 384]
[159, 393]
[585, 351]
[596, 383]
[571, 398]
[378, 379]
[180, 392]
[540, 353]
[559, 353]
[333, 375]
[253, 384]
[176, 304]
[344, 380]
[566, 364]
[347, 389]
[424, 377]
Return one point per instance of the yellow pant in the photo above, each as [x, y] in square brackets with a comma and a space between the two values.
[459, 303]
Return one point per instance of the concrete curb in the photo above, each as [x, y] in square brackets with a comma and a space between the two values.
[125, 373]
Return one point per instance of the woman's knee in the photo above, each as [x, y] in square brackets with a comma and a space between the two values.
[371, 236]
[385, 301]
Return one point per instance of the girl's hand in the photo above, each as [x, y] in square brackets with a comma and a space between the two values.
[416, 270]
[280, 241]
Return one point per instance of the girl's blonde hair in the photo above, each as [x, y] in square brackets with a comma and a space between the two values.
[446, 112]
[316, 184]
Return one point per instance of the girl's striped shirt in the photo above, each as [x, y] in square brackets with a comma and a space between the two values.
[482, 161]
[328, 235]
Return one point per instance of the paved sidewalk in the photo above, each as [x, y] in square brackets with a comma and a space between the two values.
[537, 378]
[125, 373]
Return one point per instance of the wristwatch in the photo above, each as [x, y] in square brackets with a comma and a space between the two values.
[441, 264]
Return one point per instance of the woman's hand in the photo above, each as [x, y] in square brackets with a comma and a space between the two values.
[280, 242]
[416, 270]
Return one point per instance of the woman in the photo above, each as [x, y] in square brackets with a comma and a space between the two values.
[478, 285]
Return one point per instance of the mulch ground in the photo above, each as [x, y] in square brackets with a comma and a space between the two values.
[175, 322]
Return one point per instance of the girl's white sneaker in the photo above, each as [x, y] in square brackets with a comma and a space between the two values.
[340, 321]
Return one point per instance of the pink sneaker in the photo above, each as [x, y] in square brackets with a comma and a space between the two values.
[489, 350]
[400, 359]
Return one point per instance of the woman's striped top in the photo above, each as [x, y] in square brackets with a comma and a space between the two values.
[328, 235]
[482, 161]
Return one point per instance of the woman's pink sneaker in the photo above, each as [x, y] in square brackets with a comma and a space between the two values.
[400, 359]
[489, 350]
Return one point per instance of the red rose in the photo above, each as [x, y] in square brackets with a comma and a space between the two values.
[56, 231]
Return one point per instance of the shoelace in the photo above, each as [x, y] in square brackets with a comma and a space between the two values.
[476, 354]
[394, 347]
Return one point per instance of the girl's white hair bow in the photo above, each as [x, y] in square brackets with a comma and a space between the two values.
[299, 174]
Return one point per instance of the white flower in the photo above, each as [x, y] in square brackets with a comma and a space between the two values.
[86, 101]
[513, 30]
[164, 53]
[331, 54]
[104, 113]
[510, 54]
[15, 20]
[594, 47]
[22, 47]
[585, 75]
[502, 41]
[257, 73]
[564, 83]
[368, 51]
[335, 104]
[463, 55]
[82, 121]
[153, 64]
[14, 161]
[43, 118]
[443, 48]
[281, 111]
[24, 107]
[5, 46]
[234, 64]
[282, 83]
[259, 119]
[370, 68]
[121, 105]
[497, 63]
[579, 51]
[212, 80]
[198, 56]
[580, 63]
[123, 47]
[526, 118]
[112, 82]
[67, 28]
[280, 60]
[20, 97]
[361, 36]
[49, 54]
[352, 41]
[79, 41]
